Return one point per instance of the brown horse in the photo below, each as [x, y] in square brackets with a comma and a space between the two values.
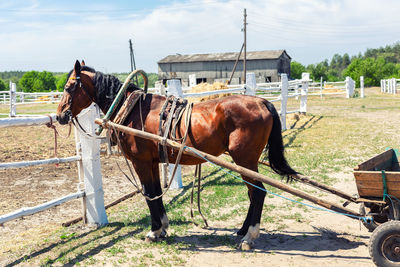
[241, 125]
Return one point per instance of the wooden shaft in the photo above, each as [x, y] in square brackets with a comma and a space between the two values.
[246, 172]
[307, 180]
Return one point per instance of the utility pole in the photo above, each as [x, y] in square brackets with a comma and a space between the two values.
[244, 47]
[133, 63]
[244, 57]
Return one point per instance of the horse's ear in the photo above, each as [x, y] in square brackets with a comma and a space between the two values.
[83, 63]
[77, 68]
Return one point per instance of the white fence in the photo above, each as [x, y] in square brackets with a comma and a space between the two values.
[22, 98]
[88, 160]
[390, 86]
[346, 87]
[14, 98]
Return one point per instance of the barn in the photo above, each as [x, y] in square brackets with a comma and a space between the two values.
[267, 66]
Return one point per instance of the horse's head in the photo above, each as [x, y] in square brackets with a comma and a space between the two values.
[78, 94]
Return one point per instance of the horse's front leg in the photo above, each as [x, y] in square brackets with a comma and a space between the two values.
[150, 178]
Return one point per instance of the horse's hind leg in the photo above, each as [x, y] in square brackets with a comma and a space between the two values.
[150, 180]
[251, 226]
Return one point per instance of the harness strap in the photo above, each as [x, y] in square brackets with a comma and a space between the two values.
[166, 129]
[197, 173]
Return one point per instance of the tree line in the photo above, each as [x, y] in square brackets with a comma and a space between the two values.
[45, 81]
[375, 64]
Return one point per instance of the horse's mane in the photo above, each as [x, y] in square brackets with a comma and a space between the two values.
[107, 87]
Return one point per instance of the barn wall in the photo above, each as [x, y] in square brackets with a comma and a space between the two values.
[264, 69]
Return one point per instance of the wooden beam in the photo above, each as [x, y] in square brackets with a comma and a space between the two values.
[115, 202]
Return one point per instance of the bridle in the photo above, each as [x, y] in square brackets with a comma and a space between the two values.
[68, 112]
[72, 91]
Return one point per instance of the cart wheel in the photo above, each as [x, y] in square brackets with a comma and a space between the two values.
[371, 226]
[384, 245]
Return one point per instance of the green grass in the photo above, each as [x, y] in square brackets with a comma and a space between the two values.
[335, 136]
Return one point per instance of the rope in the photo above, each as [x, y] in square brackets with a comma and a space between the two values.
[363, 218]
[52, 126]
[384, 185]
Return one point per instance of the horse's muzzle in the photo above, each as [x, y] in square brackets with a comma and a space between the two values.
[64, 117]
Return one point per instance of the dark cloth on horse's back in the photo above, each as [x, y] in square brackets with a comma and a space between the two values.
[169, 122]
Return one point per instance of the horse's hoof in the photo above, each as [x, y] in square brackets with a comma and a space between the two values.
[163, 234]
[245, 246]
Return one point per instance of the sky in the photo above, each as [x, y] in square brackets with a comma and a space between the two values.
[51, 35]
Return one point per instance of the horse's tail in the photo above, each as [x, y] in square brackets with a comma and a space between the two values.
[275, 147]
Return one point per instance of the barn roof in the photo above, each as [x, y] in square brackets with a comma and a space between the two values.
[266, 54]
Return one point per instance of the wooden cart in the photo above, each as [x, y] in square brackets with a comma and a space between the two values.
[378, 185]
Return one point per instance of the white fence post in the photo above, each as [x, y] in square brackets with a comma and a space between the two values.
[386, 86]
[305, 77]
[362, 86]
[382, 84]
[192, 80]
[90, 149]
[13, 99]
[391, 85]
[394, 85]
[284, 98]
[160, 88]
[175, 89]
[251, 84]
[349, 87]
[321, 87]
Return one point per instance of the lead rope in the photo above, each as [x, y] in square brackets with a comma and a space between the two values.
[52, 126]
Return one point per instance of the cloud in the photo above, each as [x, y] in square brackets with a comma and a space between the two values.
[310, 30]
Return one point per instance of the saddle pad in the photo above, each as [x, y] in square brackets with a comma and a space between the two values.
[127, 107]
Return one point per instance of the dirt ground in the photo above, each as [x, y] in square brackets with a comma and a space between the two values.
[321, 237]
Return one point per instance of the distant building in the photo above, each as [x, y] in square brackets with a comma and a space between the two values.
[267, 66]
